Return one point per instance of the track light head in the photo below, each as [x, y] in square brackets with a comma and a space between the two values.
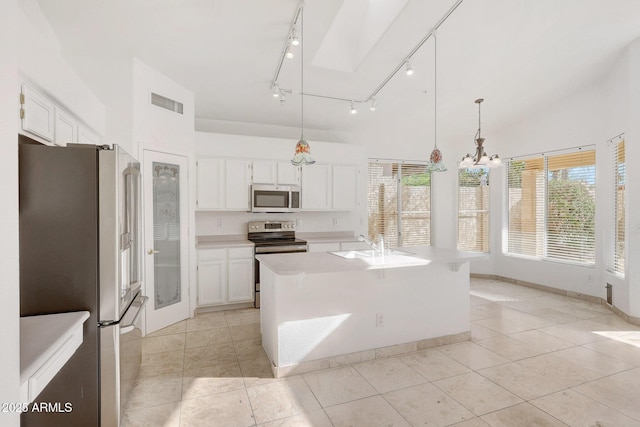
[289, 53]
[276, 91]
[295, 41]
[409, 70]
[353, 109]
[372, 107]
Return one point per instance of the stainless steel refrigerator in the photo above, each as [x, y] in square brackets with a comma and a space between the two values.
[80, 249]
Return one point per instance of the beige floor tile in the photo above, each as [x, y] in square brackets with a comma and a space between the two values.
[577, 333]
[281, 399]
[480, 332]
[581, 311]
[556, 314]
[619, 350]
[257, 371]
[619, 391]
[434, 365]
[559, 370]
[577, 410]
[595, 361]
[207, 337]
[544, 343]
[249, 349]
[521, 381]
[477, 393]
[211, 380]
[161, 363]
[522, 415]
[310, 419]
[340, 385]
[242, 317]
[533, 304]
[371, 411]
[426, 404]
[224, 409]
[506, 325]
[473, 422]
[176, 328]
[163, 343]
[211, 355]
[472, 355]
[509, 347]
[207, 321]
[167, 415]
[389, 374]
[245, 332]
[155, 391]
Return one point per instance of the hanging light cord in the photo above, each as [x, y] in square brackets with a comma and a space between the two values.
[435, 90]
[302, 72]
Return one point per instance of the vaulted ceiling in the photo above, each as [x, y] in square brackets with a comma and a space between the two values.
[517, 54]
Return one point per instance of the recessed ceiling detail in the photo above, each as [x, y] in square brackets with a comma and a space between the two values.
[355, 30]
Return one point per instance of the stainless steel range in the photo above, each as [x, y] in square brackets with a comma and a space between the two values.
[272, 237]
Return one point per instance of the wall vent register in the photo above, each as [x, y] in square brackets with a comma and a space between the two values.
[166, 103]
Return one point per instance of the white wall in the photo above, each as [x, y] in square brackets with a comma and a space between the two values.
[10, 287]
[252, 147]
[592, 115]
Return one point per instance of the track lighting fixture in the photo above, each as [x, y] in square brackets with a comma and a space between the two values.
[409, 70]
[295, 41]
[289, 54]
[276, 91]
[353, 109]
[282, 99]
[372, 107]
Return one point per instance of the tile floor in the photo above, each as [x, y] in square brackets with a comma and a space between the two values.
[535, 359]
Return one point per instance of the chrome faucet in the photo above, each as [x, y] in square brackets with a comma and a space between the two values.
[378, 248]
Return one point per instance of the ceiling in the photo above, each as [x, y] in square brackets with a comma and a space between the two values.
[517, 54]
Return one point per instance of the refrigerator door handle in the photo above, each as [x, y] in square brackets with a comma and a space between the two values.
[139, 302]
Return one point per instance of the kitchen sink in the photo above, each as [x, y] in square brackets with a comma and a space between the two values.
[369, 253]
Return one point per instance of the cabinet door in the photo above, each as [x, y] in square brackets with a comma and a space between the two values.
[237, 184]
[66, 128]
[210, 182]
[211, 282]
[240, 273]
[37, 113]
[345, 187]
[316, 187]
[288, 174]
[264, 172]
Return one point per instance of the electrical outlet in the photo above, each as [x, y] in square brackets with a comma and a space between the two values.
[379, 320]
[589, 277]
[336, 222]
[220, 223]
[298, 222]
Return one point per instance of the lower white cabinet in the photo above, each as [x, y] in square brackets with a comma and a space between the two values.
[225, 276]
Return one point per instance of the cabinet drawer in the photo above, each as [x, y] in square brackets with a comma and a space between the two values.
[236, 253]
[211, 254]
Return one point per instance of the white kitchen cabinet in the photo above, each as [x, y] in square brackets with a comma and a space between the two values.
[265, 172]
[316, 187]
[288, 174]
[37, 113]
[237, 184]
[225, 276]
[345, 188]
[66, 128]
[211, 184]
[212, 275]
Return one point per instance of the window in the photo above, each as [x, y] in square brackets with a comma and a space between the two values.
[551, 206]
[473, 210]
[399, 203]
[616, 229]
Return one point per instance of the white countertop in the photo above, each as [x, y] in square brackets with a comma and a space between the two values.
[46, 343]
[325, 262]
[228, 241]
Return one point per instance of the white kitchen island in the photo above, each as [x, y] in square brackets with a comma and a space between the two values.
[321, 310]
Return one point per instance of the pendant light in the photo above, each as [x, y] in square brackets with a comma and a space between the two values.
[302, 155]
[480, 158]
[435, 159]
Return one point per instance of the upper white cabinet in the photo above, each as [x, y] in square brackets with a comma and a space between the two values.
[316, 187]
[223, 184]
[345, 187]
[275, 172]
[37, 113]
[66, 128]
[288, 173]
[237, 184]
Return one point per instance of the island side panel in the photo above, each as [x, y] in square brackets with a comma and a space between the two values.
[268, 309]
[317, 316]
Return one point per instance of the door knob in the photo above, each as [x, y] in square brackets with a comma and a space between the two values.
[151, 252]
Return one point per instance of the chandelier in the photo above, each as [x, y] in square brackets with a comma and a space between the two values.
[480, 158]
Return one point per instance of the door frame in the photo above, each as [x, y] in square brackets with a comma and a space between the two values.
[191, 239]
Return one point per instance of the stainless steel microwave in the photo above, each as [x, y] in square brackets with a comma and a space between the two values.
[275, 198]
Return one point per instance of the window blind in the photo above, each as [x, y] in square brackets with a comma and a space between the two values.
[399, 203]
[617, 228]
[473, 210]
[551, 203]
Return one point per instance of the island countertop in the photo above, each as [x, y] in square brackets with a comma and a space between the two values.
[326, 262]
